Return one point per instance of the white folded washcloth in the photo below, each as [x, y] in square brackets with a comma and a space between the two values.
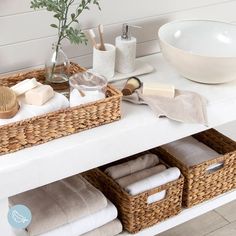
[190, 151]
[154, 181]
[90, 96]
[26, 111]
[130, 167]
[87, 223]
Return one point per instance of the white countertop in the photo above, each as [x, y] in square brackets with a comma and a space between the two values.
[138, 130]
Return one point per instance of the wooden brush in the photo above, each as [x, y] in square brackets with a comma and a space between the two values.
[8, 103]
[131, 85]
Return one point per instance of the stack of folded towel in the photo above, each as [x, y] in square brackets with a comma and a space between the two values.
[143, 174]
[191, 152]
[69, 207]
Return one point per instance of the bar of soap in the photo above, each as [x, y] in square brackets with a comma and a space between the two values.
[39, 95]
[159, 89]
[24, 86]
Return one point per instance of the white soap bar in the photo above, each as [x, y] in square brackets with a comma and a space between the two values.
[158, 89]
[24, 86]
[39, 95]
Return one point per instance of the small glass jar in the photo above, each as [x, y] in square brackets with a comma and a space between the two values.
[57, 70]
[86, 87]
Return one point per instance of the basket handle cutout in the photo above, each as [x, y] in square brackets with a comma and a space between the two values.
[157, 197]
[215, 167]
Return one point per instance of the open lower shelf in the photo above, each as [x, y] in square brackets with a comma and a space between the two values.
[186, 215]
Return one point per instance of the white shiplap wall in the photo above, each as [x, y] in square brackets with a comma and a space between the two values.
[26, 37]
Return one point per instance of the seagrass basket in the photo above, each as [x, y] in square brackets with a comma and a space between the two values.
[200, 184]
[134, 211]
[41, 129]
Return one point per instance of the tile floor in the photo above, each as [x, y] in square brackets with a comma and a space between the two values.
[220, 222]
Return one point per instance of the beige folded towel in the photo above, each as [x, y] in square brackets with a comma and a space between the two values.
[190, 151]
[130, 167]
[130, 179]
[111, 229]
[187, 107]
[60, 203]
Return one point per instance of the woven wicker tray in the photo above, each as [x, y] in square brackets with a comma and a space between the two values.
[41, 129]
[134, 211]
[200, 185]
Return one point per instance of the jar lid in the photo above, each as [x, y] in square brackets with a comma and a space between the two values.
[88, 81]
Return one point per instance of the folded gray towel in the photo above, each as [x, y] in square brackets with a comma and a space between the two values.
[130, 167]
[60, 203]
[190, 151]
[111, 229]
[187, 107]
[130, 179]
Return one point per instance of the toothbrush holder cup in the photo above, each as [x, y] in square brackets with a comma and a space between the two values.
[104, 61]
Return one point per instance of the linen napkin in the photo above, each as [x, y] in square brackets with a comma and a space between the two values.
[186, 107]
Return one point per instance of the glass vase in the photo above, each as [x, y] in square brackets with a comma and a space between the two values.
[57, 70]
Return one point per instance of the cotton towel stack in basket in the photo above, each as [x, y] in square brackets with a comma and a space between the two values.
[143, 189]
[208, 162]
[70, 207]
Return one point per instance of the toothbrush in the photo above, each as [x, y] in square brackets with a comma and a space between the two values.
[101, 32]
[93, 38]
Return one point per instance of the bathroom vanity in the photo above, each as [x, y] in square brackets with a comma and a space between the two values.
[137, 131]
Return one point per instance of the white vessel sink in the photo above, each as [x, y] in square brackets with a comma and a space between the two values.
[201, 50]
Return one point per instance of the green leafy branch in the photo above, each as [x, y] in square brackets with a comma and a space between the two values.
[61, 9]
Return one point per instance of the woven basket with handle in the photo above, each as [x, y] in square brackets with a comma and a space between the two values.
[200, 184]
[134, 211]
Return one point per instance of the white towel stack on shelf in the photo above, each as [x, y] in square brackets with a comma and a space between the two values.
[143, 174]
[69, 207]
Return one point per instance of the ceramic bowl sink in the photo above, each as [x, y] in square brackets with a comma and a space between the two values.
[202, 51]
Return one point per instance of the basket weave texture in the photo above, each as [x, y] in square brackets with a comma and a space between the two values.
[41, 129]
[201, 185]
[134, 211]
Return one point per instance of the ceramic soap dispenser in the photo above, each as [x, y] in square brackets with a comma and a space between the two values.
[126, 51]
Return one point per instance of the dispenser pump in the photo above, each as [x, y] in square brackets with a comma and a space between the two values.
[126, 32]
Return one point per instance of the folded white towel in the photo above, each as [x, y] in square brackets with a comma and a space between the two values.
[26, 111]
[130, 167]
[76, 99]
[190, 151]
[110, 229]
[87, 223]
[153, 181]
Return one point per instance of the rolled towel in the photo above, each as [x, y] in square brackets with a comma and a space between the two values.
[130, 179]
[86, 224]
[130, 167]
[110, 229]
[60, 203]
[190, 151]
[26, 111]
[153, 181]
